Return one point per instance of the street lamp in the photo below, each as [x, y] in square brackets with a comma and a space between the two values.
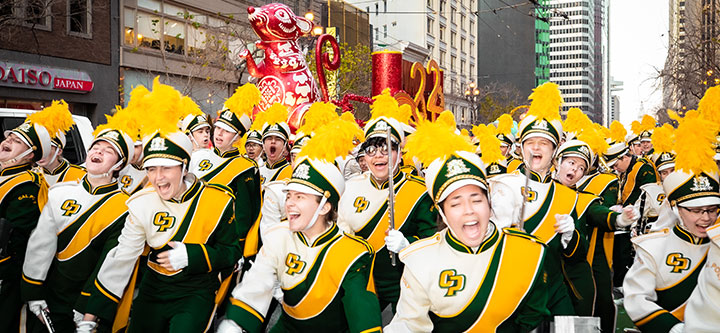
[472, 95]
[310, 16]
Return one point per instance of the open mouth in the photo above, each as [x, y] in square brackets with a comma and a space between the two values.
[703, 227]
[96, 159]
[163, 187]
[293, 216]
[273, 150]
[286, 29]
[6, 149]
[471, 229]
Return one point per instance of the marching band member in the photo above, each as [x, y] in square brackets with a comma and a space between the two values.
[646, 144]
[195, 124]
[668, 262]
[652, 200]
[472, 275]
[254, 147]
[224, 166]
[22, 194]
[55, 168]
[79, 224]
[325, 275]
[702, 313]
[634, 172]
[507, 142]
[364, 209]
[488, 135]
[272, 123]
[188, 226]
[547, 213]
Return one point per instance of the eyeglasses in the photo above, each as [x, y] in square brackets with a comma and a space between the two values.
[699, 211]
[372, 150]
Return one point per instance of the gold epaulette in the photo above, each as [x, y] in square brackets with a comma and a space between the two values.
[512, 231]
[361, 241]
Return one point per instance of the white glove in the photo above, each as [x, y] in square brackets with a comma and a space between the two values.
[629, 215]
[616, 208]
[565, 226]
[77, 317]
[86, 327]
[37, 307]
[229, 326]
[178, 255]
[240, 263]
[395, 241]
[678, 328]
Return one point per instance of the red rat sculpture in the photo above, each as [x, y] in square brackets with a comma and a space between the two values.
[284, 75]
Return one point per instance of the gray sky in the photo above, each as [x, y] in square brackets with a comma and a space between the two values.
[638, 44]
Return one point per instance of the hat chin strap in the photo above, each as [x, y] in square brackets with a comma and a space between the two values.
[20, 156]
[105, 174]
[316, 214]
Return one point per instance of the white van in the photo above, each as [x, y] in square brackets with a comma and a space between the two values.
[78, 138]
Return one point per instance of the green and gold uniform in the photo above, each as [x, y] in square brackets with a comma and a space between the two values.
[449, 287]
[20, 190]
[326, 282]
[76, 229]
[182, 300]
[65, 172]
[363, 211]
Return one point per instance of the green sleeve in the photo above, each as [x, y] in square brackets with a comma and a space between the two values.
[601, 217]
[661, 323]
[221, 252]
[247, 201]
[577, 248]
[362, 309]
[109, 241]
[20, 208]
[423, 220]
[534, 308]
[645, 175]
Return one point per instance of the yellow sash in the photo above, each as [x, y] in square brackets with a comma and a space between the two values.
[405, 200]
[629, 183]
[330, 275]
[100, 219]
[563, 201]
[596, 185]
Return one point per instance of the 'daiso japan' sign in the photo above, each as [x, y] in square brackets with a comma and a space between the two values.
[31, 76]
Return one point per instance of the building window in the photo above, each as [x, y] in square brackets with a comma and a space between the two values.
[129, 22]
[430, 3]
[442, 58]
[430, 24]
[385, 6]
[442, 33]
[79, 18]
[452, 63]
[462, 66]
[452, 15]
[36, 14]
[472, 26]
[377, 33]
[384, 31]
[442, 7]
[462, 44]
[462, 21]
[453, 36]
[472, 70]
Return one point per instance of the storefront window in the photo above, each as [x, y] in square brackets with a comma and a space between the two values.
[149, 4]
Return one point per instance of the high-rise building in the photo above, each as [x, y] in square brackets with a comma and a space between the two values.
[602, 57]
[615, 86]
[693, 60]
[574, 64]
[447, 28]
[513, 43]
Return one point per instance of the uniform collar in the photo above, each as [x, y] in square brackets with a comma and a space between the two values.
[320, 240]
[16, 169]
[456, 244]
[397, 178]
[191, 191]
[230, 153]
[279, 164]
[534, 176]
[102, 189]
[687, 236]
[60, 168]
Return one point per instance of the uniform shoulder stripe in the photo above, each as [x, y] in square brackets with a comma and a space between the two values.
[652, 235]
[222, 188]
[416, 179]
[361, 241]
[515, 232]
[419, 245]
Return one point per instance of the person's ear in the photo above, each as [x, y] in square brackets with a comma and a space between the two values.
[326, 208]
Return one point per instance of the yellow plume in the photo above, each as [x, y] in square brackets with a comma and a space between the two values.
[276, 113]
[55, 118]
[635, 127]
[617, 131]
[604, 131]
[188, 106]
[137, 95]
[663, 139]
[124, 120]
[319, 113]
[386, 105]
[160, 109]
[505, 124]
[446, 118]
[464, 132]
[546, 102]
[694, 139]
[240, 144]
[489, 144]
[576, 121]
[647, 123]
[433, 140]
[709, 106]
[595, 140]
[334, 139]
[243, 101]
